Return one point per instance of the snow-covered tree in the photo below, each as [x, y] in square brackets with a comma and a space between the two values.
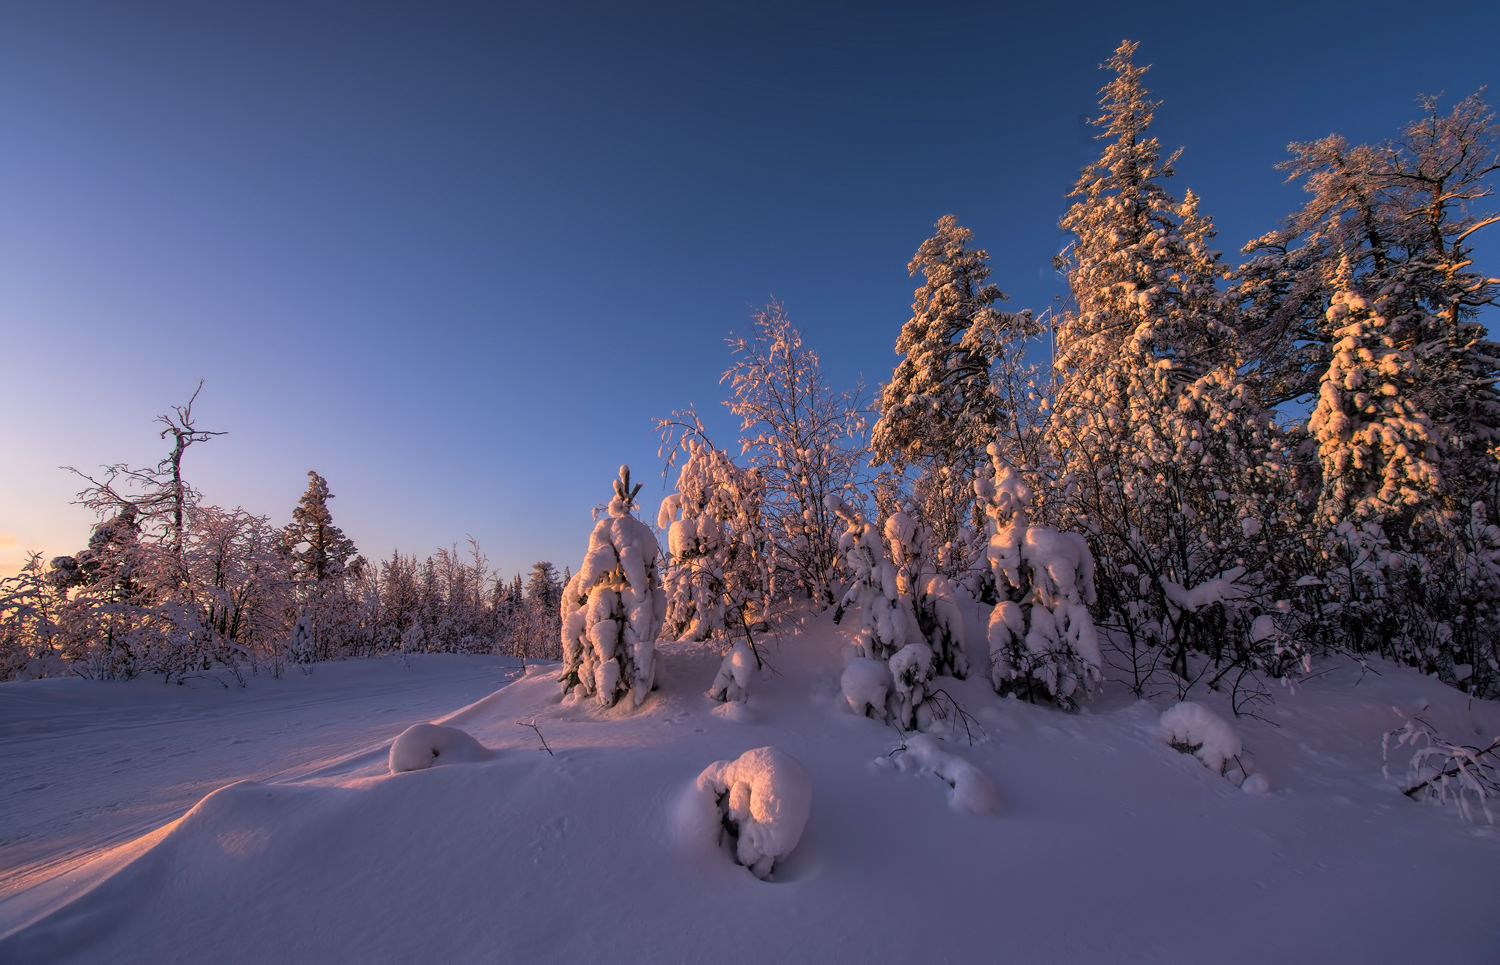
[716, 579]
[940, 408]
[318, 550]
[612, 607]
[1166, 461]
[1041, 633]
[932, 598]
[804, 441]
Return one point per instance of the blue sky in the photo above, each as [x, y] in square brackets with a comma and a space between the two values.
[455, 257]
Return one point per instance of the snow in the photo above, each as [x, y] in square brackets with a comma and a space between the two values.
[1192, 726]
[865, 684]
[764, 796]
[972, 791]
[1105, 836]
[421, 746]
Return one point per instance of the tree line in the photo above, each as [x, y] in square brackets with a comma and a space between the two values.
[169, 584]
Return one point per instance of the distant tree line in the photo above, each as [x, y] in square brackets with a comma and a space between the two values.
[171, 585]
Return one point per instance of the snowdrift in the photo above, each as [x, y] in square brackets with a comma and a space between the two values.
[1054, 837]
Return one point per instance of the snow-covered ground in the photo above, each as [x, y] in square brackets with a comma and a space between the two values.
[88, 765]
[1097, 842]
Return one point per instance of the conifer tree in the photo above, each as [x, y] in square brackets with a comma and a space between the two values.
[939, 411]
[318, 550]
[1165, 455]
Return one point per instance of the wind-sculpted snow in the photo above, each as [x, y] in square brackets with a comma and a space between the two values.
[764, 797]
[589, 853]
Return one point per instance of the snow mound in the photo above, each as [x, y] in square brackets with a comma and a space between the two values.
[865, 684]
[423, 745]
[764, 797]
[972, 790]
[1194, 729]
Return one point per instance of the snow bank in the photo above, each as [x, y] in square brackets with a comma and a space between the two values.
[972, 790]
[764, 797]
[1193, 728]
[423, 745]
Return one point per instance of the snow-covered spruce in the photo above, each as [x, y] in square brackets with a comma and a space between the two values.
[1041, 632]
[426, 745]
[612, 607]
[931, 597]
[886, 622]
[972, 790]
[1194, 729]
[764, 797]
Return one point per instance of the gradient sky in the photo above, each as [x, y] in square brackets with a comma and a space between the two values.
[455, 257]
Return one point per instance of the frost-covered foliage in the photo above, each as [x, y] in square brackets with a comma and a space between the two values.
[940, 409]
[1041, 633]
[422, 746]
[1194, 729]
[612, 607]
[804, 441]
[715, 578]
[1468, 775]
[763, 797]
[1182, 483]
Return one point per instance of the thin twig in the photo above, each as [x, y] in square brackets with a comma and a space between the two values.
[532, 724]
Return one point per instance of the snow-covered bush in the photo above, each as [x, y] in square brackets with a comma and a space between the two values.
[972, 790]
[427, 745]
[886, 621]
[1439, 770]
[612, 607]
[866, 684]
[738, 669]
[911, 675]
[1194, 729]
[764, 797]
[1041, 632]
[931, 597]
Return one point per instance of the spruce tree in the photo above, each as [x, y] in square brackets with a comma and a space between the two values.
[1167, 461]
[939, 411]
[317, 549]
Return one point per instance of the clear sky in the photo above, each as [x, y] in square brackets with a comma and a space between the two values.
[455, 257]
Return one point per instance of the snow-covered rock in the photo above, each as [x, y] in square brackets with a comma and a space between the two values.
[764, 796]
[424, 745]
